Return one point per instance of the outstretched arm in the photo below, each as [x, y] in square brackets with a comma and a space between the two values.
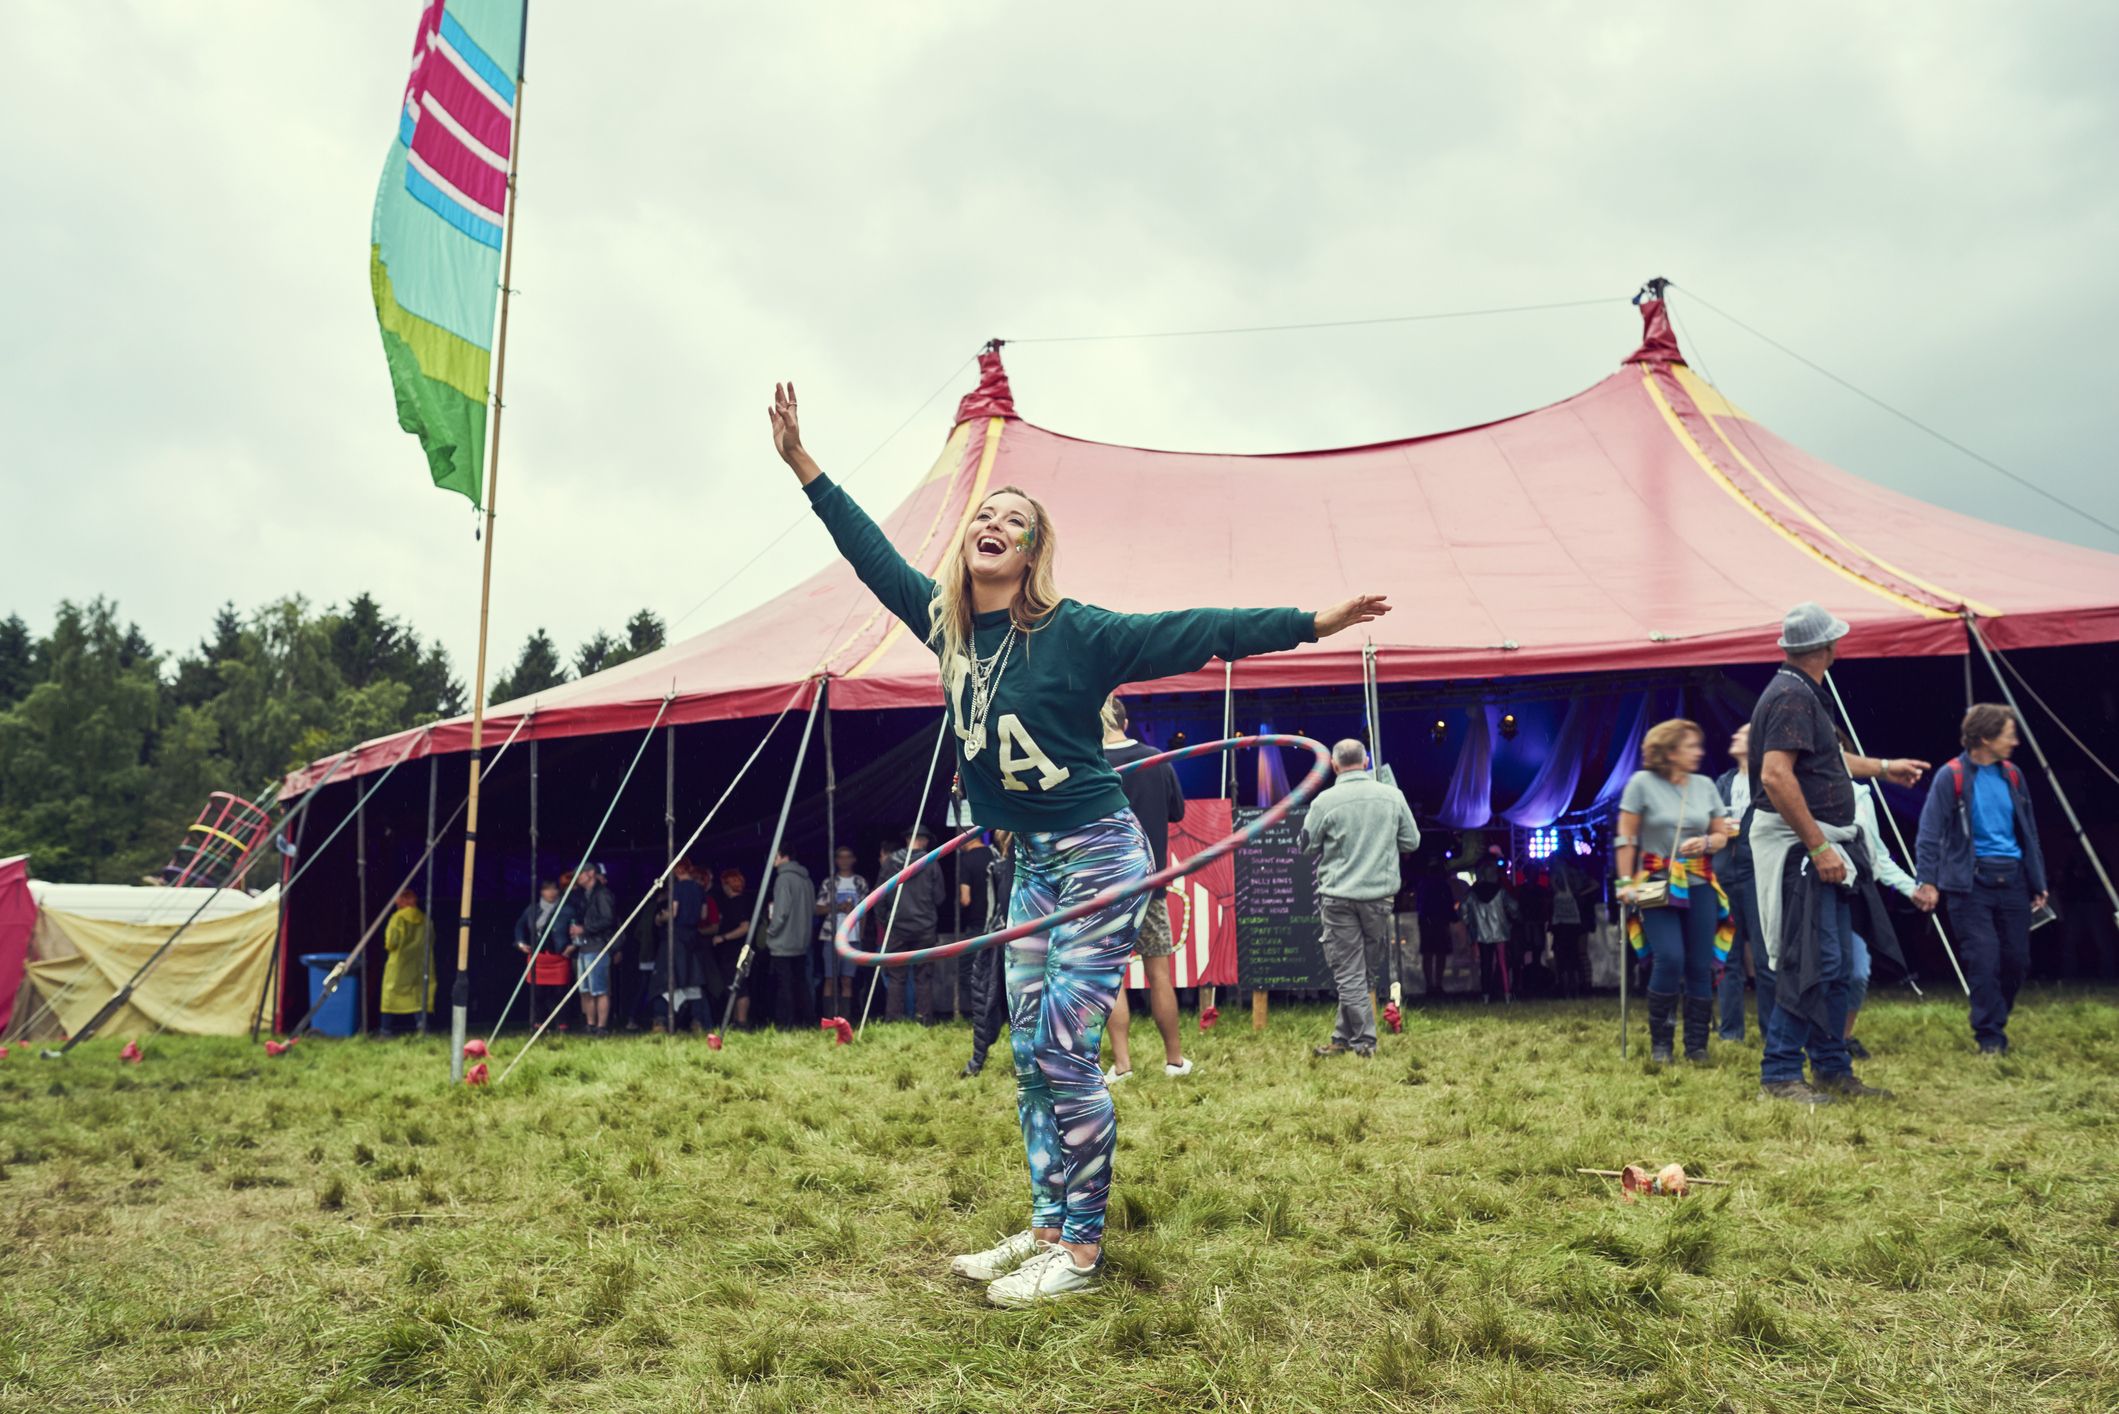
[903, 589]
[1144, 647]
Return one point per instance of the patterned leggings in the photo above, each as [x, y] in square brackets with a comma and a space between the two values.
[1060, 986]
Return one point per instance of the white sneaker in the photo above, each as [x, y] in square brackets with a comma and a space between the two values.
[1113, 1077]
[996, 1261]
[1049, 1276]
[1183, 1067]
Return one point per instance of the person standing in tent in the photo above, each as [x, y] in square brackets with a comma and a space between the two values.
[1978, 848]
[543, 941]
[409, 945]
[913, 921]
[1024, 673]
[1735, 872]
[1156, 798]
[1435, 906]
[788, 911]
[1672, 822]
[1808, 857]
[836, 897]
[1490, 915]
[590, 934]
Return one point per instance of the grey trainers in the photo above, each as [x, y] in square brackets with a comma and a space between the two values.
[996, 1262]
[1794, 1092]
[1049, 1276]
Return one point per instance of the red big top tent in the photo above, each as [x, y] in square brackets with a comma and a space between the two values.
[1646, 522]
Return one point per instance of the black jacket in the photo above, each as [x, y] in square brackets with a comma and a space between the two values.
[1154, 793]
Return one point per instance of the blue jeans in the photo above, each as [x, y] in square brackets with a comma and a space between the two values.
[1857, 974]
[1993, 923]
[1789, 1034]
[1681, 946]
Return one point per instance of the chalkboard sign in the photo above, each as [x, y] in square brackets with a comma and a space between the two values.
[1278, 938]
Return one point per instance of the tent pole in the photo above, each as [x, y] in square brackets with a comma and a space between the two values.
[279, 945]
[360, 890]
[1228, 726]
[898, 896]
[669, 851]
[426, 958]
[1883, 810]
[2082, 836]
[529, 964]
[831, 843]
[772, 860]
[460, 991]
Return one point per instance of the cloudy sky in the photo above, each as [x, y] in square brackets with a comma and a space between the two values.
[195, 409]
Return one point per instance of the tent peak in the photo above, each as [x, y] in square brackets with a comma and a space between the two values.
[1659, 343]
[993, 397]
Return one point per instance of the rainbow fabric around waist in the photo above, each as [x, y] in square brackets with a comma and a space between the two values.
[1685, 875]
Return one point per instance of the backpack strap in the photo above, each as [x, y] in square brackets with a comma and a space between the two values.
[1956, 769]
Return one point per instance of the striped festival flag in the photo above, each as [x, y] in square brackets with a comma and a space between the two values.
[434, 259]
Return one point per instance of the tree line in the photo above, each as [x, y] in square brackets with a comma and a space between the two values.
[109, 746]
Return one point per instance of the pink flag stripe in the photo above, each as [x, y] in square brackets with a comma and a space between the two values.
[431, 108]
[439, 188]
[443, 157]
[469, 104]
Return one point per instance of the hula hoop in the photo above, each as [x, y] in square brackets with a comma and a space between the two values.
[1278, 811]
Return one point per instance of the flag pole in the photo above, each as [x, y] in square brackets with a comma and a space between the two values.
[460, 991]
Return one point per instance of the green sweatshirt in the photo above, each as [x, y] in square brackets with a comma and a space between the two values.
[1043, 766]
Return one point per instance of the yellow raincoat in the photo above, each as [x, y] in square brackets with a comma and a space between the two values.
[410, 944]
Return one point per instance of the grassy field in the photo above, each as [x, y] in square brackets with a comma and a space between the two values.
[644, 1224]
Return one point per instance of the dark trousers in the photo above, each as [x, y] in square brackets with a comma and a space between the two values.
[1681, 948]
[788, 979]
[1743, 908]
[1493, 982]
[1993, 923]
[406, 1023]
[899, 981]
[1789, 1035]
[988, 995]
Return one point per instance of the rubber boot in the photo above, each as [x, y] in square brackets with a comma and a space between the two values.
[1662, 1022]
[1699, 1019]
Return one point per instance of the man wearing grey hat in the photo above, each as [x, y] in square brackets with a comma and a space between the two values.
[1808, 857]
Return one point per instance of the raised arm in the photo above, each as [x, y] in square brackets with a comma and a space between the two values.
[904, 590]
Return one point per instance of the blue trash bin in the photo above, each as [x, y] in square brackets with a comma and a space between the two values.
[338, 1016]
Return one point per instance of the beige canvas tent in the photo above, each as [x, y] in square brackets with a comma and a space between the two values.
[88, 939]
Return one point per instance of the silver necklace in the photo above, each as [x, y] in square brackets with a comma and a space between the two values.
[985, 679]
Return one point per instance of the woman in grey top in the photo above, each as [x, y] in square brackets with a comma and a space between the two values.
[1672, 821]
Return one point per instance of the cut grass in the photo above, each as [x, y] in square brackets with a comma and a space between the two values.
[647, 1224]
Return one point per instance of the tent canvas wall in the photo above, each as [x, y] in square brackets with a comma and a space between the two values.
[88, 939]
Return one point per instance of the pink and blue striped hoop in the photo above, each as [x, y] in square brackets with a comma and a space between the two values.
[1306, 788]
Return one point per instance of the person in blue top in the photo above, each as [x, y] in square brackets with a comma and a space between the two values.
[1978, 848]
[1025, 673]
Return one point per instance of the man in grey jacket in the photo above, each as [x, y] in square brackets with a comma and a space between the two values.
[787, 939]
[1357, 829]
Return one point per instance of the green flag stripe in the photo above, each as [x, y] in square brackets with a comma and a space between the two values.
[450, 427]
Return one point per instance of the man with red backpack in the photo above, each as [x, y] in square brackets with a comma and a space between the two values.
[1978, 847]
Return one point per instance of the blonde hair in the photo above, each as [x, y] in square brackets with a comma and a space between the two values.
[949, 612]
[1663, 741]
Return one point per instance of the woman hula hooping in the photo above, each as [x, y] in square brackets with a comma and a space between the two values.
[1026, 673]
